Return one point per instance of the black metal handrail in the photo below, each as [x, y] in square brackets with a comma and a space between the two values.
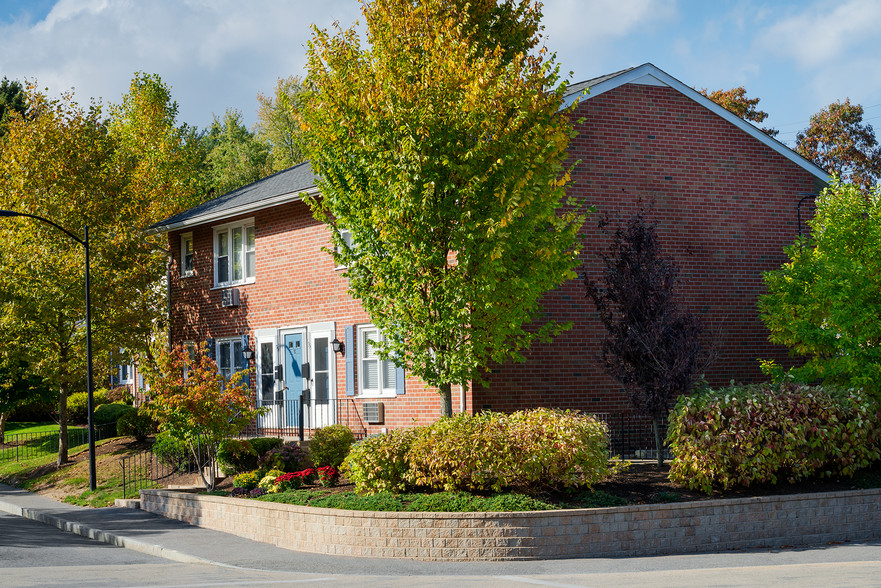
[296, 417]
[148, 469]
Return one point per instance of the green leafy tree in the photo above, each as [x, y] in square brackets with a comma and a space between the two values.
[12, 99]
[439, 148]
[18, 386]
[277, 123]
[191, 401]
[53, 165]
[841, 143]
[157, 160]
[73, 167]
[735, 100]
[235, 156]
[824, 303]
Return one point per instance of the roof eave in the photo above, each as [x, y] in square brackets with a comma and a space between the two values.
[649, 72]
[235, 211]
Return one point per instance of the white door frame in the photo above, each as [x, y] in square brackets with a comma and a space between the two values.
[322, 415]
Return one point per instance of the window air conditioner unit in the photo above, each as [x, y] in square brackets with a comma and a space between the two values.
[374, 413]
[229, 298]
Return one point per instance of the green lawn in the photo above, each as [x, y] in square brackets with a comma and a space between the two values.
[31, 427]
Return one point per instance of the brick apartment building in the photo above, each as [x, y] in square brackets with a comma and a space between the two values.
[248, 270]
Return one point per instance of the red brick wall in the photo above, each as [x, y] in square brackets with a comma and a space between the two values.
[296, 284]
[724, 205]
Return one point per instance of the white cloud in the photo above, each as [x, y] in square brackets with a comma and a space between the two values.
[580, 31]
[215, 54]
[824, 33]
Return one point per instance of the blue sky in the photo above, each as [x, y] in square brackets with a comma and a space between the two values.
[797, 56]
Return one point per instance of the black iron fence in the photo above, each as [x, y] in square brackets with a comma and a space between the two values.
[22, 446]
[164, 466]
[631, 435]
[298, 417]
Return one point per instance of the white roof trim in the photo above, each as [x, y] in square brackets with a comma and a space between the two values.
[648, 74]
[230, 212]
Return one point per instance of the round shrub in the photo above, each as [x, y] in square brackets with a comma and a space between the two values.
[78, 405]
[527, 450]
[288, 458]
[135, 424]
[263, 444]
[172, 452]
[380, 464]
[110, 413]
[235, 456]
[747, 434]
[329, 446]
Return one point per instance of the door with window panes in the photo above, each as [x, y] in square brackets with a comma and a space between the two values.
[322, 406]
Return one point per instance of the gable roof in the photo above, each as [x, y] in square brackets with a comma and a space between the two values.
[289, 185]
[285, 186]
[649, 75]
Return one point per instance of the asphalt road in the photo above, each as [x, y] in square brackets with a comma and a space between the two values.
[36, 555]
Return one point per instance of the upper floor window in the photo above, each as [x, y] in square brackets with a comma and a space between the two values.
[234, 253]
[346, 237]
[186, 255]
[377, 376]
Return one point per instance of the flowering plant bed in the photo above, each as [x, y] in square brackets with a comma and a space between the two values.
[641, 483]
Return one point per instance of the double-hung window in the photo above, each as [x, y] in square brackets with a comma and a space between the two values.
[229, 357]
[186, 255]
[234, 253]
[377, 376]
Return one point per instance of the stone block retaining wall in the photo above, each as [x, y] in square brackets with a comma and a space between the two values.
[711, 525]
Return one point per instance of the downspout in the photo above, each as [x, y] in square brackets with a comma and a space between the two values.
[804, 196]
[168, 293]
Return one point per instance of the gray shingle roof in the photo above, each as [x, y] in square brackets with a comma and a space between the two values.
[291, 181]
[580, 87]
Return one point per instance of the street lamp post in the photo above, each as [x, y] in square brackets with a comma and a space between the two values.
[91, 406]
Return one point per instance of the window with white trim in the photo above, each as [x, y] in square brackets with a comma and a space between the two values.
[187, 255]
[126, 374]
[346, 237]
[376, 377]
[228, 354]
[190, 348]
[234, 253]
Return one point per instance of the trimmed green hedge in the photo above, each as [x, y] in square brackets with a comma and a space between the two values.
[743, 435]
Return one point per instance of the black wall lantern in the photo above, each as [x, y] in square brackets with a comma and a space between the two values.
[248, 354]
[338, 346]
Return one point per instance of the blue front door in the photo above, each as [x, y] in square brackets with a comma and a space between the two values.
[293, 377]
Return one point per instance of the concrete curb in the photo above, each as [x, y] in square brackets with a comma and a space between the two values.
[102, 536]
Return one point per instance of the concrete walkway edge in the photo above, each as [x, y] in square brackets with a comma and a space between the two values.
[101, 536]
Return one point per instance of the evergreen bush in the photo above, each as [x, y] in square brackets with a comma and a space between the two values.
[330, 445]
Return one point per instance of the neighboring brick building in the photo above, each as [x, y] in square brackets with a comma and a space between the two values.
[248, 268]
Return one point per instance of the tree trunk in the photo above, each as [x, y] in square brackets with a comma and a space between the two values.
[62, 424]
[3, 417]
[659, 446]
[446, 393]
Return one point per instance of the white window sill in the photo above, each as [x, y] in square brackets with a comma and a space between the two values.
[377, 395]
[233, 284]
